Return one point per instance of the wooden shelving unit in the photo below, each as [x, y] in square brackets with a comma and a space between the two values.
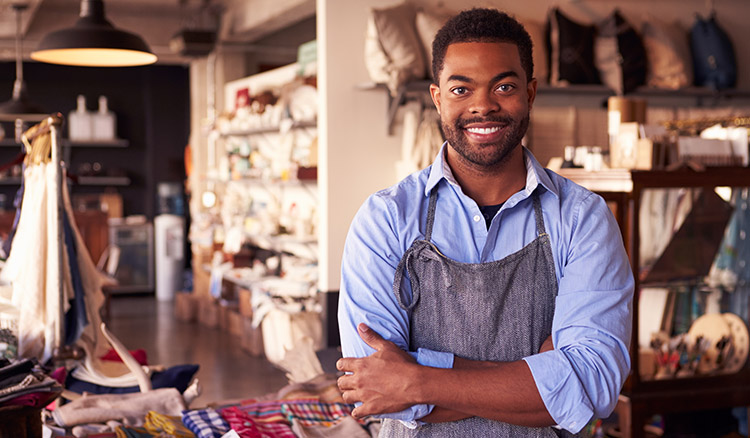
[640, 398]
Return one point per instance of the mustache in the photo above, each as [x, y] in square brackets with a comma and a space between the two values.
[505, 120]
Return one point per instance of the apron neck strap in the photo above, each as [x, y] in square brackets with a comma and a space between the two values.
[431, 213]
[540, 230]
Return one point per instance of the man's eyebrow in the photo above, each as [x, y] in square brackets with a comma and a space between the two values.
[459, 78]
[503, 75]
[498, 77]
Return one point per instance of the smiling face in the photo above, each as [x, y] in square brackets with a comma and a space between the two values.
[483, 99]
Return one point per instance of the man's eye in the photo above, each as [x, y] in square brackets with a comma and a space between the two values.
[459, 91]
[505, 88]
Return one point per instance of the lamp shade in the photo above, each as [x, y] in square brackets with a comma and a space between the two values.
[93, 42]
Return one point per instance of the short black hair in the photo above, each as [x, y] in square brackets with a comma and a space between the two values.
[482, 25]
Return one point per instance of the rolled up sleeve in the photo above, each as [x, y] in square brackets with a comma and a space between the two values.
[582, 377]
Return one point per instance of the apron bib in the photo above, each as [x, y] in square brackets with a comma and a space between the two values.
[494, 311]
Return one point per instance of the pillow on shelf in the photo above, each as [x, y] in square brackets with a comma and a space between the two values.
[428, 25]
[714, 61]
[619, 55]
[393, 51]
[668, 54]
[571, 51]
[538, 38]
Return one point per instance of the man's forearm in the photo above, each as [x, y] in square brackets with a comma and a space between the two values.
[389, 380]
[493, 390]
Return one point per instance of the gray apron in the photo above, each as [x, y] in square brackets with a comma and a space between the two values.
[494, 311]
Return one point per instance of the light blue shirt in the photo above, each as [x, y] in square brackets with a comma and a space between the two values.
[581, 378]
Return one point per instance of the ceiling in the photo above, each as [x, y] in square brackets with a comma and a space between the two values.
[157, 21]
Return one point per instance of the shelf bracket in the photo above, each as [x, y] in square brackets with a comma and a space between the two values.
[394, 102]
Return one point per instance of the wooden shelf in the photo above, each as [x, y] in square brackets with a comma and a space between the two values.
[116, 143]
[642, 398]
[103, 181]
[268, 130]
[10, 181]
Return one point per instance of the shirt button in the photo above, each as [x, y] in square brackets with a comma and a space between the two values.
[477, 218]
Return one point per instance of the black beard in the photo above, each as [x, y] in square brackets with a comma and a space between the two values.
[490, 154]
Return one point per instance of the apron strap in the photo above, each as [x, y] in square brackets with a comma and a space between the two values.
[540, 230]
[431, 213]
[403, 265]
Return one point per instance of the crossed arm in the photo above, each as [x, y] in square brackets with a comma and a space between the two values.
[390, 380]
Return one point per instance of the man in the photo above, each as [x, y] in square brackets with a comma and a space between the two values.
[516, 325]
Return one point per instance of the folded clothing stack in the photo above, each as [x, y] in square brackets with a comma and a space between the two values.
[24, 384]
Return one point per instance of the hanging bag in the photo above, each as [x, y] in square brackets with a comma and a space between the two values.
[714, 62]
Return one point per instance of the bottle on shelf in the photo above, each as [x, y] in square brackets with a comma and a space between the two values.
[569, 158]
[103, 121]
[79, 121]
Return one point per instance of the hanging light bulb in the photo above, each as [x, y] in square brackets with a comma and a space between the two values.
[93, 42]
[19, 107]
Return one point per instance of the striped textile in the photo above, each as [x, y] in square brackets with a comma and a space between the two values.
[205, 423]
[133, 432]
[247, 426]
[171, 425]
[316, 413]
[270, 411]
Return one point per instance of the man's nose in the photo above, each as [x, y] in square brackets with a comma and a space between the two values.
[484, 103]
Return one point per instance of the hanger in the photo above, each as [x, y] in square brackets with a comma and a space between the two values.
[711, 6]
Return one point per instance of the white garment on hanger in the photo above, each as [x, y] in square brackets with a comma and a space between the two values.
[32, 267]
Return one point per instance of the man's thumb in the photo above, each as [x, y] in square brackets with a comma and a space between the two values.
[370, 336]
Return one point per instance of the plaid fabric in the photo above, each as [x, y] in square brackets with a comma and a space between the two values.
[316, 413]
[269, 411]
[157, 423]
[249, 427]
[133, 432]
[205, 423]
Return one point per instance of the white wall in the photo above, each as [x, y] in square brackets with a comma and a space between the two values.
[358, 156]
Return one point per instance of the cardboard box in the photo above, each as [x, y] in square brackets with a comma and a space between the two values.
[234, 323]
[208, 315]
[201, 274]
[244, 297]
[185, 307]
[226, 308]
[251, 339]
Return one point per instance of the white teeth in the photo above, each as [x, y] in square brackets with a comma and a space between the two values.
[483, 130]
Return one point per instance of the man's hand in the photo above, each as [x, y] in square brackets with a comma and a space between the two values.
[547, 345]
[381, 381]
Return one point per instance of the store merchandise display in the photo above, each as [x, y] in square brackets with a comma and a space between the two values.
[255, 252]
[398, 49]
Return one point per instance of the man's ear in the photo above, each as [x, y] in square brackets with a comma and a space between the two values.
[435, 94]
[531, 91]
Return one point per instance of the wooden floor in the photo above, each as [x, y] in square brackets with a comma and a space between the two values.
[226, 371]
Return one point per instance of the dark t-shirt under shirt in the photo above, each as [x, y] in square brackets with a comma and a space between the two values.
[489, 211]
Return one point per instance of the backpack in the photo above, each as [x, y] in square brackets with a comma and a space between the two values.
[714, 63]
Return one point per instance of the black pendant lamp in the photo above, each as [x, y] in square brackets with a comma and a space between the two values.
[19, 107]
[93, 42]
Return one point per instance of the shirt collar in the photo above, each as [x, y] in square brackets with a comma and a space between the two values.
[535, 174]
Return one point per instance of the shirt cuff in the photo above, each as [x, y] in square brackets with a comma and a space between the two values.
[560, 389]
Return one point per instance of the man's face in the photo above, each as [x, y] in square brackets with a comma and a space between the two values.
[484, 100]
